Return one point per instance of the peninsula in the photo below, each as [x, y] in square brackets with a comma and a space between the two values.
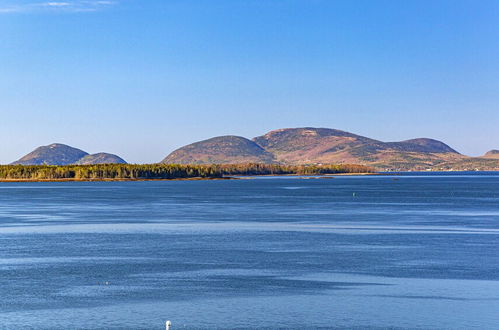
[129, 172]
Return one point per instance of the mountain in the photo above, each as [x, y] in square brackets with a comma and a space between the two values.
[423, 145]
[309, 145]
[220, 150]
[61, 154]
[494, 154]
[53, 154]
[100, 158]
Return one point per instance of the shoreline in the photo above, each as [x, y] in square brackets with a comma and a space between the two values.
[312, 176]
[236, 177]
[111, 180]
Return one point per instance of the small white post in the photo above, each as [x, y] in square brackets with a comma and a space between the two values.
[168, 325]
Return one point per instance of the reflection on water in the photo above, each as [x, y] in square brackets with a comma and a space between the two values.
[353, 252]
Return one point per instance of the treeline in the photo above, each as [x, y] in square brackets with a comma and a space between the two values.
[165, 171]
[275, 169]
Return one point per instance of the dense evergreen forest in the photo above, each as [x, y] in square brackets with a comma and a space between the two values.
[165, 171]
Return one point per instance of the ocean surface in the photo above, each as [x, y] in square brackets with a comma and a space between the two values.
[350, 252]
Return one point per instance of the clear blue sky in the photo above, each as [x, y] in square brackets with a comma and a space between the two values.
[140, 78]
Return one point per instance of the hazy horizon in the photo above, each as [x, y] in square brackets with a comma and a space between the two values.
[140, 79]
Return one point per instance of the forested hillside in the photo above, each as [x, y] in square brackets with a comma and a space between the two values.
[163, 171]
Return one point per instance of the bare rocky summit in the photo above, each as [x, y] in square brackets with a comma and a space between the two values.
[492, 154]
[61, 154]
[100, 158]
[53, 154]
[220, 150]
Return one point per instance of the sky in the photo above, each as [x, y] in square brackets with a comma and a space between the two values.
[140, 78]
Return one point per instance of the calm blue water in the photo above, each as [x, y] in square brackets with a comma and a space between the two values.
[408, 252]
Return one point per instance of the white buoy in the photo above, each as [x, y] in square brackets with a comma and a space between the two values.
[168, 325]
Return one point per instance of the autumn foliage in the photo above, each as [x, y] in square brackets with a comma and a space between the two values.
[165, 171]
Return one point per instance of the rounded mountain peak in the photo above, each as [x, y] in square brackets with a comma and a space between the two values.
[303, 132]
[100, 158]
[228, 149]
[426, 145]
[302, 138]
[52, 154]
[492, 154]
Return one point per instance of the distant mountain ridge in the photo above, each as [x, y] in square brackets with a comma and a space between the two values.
[292, 146]
[324, 145]
[53, 154]
[220, 150]
[100, 158]
[494, 154]
[309, 145]
[61, 154]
